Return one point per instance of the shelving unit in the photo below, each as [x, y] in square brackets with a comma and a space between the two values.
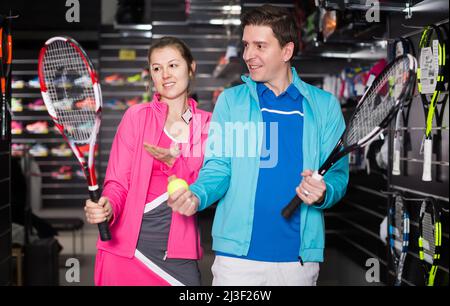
[124, 55]
[6, 256]
[353, 226]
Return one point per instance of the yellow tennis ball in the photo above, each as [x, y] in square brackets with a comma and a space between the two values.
[176, 184]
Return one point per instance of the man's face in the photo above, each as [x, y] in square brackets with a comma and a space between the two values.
[265, 58]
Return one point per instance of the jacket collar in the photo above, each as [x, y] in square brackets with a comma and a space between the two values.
[162, 106]
[199, 121]
[296, 80]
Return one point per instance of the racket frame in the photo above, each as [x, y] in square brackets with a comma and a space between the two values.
[339, 151]
[429, 107]
[400, 135]
[88, 166]
[430, 273]
[398, 256]
[5, 74]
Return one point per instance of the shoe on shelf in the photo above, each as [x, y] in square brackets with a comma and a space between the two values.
[114, 104]
[16, 105]
[133, 101]
[18, 84]
[37, 105]
[62, 82]
[39, 150]
[16, 127]
[134, 78]
[34, 83]
[86, 103]
[80, 174]
[114, 79]
[83, 81]
[63, 173]
[17, 149]
[62, 150]
[38, 127]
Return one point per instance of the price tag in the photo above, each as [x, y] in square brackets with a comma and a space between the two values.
[399, 49]
[429, 67]
[127, 55]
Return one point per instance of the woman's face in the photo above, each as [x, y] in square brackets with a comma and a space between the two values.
[170, 73]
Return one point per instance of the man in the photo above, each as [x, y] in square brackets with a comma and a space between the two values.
[254, 244]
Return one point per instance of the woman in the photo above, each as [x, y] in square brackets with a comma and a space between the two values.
[151, 245]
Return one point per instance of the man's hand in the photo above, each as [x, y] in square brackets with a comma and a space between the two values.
[183, 201]
[310, 190]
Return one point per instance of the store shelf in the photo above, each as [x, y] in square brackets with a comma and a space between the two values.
[229, 70]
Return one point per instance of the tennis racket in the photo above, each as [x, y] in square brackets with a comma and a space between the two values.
[402, 139]
[373, 113]
[5, 73]
[398, 236]
[440, 114]
[430, 235]
[430, 76]
[72, 95]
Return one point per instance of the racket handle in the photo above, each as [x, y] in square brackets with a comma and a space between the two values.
[427, 152]
[103, 228]
[289, 209]
[396, 163]
[317, 176]
[4, 127]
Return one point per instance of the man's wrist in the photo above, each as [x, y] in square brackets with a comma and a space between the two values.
[321, 200]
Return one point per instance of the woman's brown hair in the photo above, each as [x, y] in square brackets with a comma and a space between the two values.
[169, 41]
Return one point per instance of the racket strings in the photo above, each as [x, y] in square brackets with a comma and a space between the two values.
[75, 111]
[379, 103]
[428, 234]
[399, 217]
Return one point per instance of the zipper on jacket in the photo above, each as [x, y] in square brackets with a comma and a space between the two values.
[300, 260]
[165, 255]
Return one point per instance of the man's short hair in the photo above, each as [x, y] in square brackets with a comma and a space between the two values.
[279, 19]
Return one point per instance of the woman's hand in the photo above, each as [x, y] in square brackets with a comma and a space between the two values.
[98, 212]
[164, 155]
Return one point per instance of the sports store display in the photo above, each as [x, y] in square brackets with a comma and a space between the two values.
[430, 90]
[375, 110]
[67, 78]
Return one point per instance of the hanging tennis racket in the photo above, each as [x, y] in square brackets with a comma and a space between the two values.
[430, 236]
[402, 139]
[398, 236]
[431, 77]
